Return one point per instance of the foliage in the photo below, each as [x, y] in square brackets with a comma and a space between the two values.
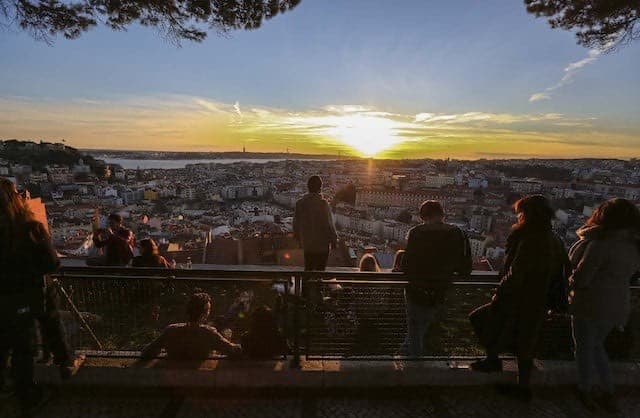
[602, 24]
[38, 156]
[177, 20]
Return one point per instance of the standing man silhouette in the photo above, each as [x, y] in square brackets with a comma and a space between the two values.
[313, 226]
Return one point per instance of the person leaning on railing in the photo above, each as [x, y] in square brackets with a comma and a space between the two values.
[605, 259]
[193, 340]
[435, 252]
[535, 261]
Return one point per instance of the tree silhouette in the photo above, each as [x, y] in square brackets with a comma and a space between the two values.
[177, 20]
[603, 24]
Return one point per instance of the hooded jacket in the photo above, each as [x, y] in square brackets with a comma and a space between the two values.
[604, 262]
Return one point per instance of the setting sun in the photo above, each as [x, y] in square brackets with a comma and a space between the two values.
[367, 133]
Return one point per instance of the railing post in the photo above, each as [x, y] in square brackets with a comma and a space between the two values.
[297, 296]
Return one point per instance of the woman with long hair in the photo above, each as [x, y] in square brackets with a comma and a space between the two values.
[149, 255]
[511, 322]
[604, 259]
[26, 255]
[369, 263]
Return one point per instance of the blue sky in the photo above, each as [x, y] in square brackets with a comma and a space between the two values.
[446, 58]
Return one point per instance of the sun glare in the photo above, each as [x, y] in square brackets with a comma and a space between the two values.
[367, 134]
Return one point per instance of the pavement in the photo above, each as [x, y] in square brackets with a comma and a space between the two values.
[468, 401]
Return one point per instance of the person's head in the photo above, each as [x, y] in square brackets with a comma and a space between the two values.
[198, 308]
[534, 210]
[397, 260]
[369, 263]
[148, 247]
[263, 320]
[314, 184]
[115, 220]
[12, 205]
[431, 211]
[616, 214]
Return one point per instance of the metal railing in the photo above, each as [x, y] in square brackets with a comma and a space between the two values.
[331, 314]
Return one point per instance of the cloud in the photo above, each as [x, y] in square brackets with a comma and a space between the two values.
[570, 72]
[192, 123]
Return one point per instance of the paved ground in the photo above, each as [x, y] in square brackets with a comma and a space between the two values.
[467, 401]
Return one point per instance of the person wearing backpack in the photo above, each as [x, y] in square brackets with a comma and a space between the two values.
[436, 252]
[535, 262]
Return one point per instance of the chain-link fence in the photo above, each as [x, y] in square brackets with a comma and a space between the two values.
[347, 315]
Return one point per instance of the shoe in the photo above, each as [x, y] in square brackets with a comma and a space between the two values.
[516, 392]
[587, 399]
[69, 370]
[608, 402]
[486, 365]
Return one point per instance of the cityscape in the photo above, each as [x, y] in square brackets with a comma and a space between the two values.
[239, 211]
[319, 209]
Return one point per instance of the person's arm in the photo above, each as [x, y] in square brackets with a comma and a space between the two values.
[407, 263]
[219, 343]
[296, 223]
[155, 347]
[465, 262]
[526, 266]
[588, 264]
[46, 258]
[333, 235]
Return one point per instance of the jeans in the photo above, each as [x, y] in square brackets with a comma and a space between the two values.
[589, 337]
[419, 318]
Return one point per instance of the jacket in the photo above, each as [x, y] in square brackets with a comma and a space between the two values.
[434, 253]
[604, 262]
[118, 245]
[313, 224]
[511, 322]
[22, 274]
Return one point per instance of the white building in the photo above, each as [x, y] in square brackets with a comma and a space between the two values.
[439, 180]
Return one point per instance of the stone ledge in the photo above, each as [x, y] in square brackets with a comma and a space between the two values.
[313, 374]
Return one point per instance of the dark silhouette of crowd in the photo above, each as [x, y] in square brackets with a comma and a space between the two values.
[590, 282]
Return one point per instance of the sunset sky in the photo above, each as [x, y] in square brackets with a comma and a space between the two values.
[430, 79]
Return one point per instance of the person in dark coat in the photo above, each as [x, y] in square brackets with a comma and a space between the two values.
[26, 255]
[604, 259]
[149, 256]
[436, 253]
[263, 340]
[511, 322]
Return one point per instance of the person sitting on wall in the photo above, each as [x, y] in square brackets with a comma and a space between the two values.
[149, 256]
[117, 242]
[193, 340]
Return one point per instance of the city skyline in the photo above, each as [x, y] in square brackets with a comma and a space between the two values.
[383, 82]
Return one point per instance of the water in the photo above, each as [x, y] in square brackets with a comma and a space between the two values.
[131, 164]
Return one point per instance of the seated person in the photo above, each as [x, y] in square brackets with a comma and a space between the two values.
[149, 256]
[263, 341]
[397, 261]
[368, 262]
[116, 241]
[194, 340]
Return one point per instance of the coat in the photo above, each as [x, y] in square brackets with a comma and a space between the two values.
[511, 322]
[434, 253]
[22, 275]
[604, 262]
[313, 224]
